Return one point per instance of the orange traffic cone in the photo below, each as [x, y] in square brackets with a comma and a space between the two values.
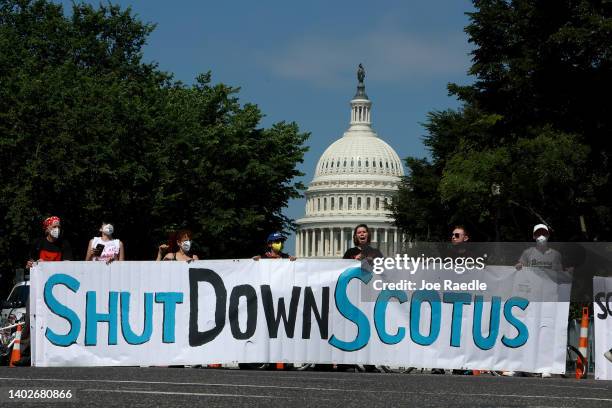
[583, 342]
[16, 353]
[280, 366]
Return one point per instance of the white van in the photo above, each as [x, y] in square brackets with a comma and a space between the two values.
[14, 307]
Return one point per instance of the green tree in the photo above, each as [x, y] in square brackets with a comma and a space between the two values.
[531, 141]
[221, 175]
[90, 132]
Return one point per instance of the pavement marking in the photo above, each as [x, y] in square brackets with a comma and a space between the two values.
[580, 387]
[272, 375]
[183, 383]
[532, 396]
[293, 377]
[193, 394]
[313, 388]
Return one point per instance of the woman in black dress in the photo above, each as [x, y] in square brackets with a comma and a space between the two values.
[362, 249]
[364, 252]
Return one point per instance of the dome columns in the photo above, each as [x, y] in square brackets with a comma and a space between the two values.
[361, 112]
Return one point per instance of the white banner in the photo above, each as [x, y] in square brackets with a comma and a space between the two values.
[602, 307]
[228, 311]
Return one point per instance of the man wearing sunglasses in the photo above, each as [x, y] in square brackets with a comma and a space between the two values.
[459, 238]
[459, 235]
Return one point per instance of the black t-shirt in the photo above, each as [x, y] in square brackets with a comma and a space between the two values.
[58, 250]
[368, 252]
[461, 250]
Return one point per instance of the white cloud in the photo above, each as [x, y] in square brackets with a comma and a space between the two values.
[387, 54]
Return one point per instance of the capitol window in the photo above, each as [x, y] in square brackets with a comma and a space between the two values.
[359, 203]
[368, 203]
[377, 203]
[350, 203]
[318, 204]
[325, 204]
[332, 204]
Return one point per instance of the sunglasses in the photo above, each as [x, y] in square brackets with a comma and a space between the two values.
[455, 235]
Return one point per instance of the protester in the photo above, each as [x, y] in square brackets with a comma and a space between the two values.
[539, 256]
[459, 238]
[178, 248]
[459, 235]
[52, 247]
[274, 248]
[105, 248]
[364, 252]
[362, 249]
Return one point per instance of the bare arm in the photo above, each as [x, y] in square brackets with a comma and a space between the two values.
[162, 248]
[121, 252]
[89, 255]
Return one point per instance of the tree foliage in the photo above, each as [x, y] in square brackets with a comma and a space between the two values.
[531, 142]
[90, 132]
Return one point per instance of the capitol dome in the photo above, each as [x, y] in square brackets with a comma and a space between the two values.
[355, 180]
[358, 155]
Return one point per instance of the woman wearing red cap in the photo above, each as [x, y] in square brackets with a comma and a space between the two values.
[51, 247]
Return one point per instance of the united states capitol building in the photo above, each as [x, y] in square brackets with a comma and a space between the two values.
[354, 182]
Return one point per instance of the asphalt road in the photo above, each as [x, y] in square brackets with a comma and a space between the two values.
[191, 387]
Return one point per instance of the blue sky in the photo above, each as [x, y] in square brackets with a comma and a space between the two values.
[297, 61]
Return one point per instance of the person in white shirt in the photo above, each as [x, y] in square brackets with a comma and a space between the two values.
[105, 248]
[539, 256]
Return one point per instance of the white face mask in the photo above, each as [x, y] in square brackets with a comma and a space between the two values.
[55, 232]
[186, 246]
[541, 240]
[108, 229]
